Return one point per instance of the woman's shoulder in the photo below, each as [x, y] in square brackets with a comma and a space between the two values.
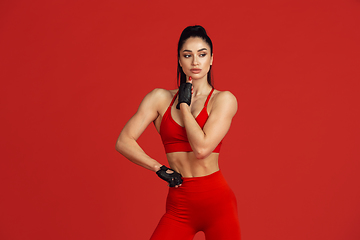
[160, 95]
[223, 99]
[224, 96]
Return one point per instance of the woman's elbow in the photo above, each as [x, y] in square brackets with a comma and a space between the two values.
[119, 146]
[202, 153]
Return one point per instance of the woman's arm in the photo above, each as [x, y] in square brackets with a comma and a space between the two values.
[126, 143]
[204, 141]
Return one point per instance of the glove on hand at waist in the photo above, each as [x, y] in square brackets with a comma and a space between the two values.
[172, 178]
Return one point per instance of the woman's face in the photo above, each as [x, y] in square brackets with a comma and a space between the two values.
[195, 58]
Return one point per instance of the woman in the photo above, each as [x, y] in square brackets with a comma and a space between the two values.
[192, 122]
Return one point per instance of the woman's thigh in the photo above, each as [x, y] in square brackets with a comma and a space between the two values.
[227, 229]
[169, 228]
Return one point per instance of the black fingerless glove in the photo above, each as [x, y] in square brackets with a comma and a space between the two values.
[184, 94]
[172, 178]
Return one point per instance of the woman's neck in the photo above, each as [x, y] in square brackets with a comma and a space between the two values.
[201, 87]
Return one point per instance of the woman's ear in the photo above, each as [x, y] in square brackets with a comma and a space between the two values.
[211, 59]
[180, 63]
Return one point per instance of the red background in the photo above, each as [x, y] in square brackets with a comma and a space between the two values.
[73, 72]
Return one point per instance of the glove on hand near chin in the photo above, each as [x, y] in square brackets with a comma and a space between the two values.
[172, 178]
[184, 94]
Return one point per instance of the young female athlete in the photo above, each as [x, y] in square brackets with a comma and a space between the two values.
[192, 121]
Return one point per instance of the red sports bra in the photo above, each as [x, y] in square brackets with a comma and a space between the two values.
[174, 136]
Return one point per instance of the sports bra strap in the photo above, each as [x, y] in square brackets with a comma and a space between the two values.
[173, 100]
[208, 98]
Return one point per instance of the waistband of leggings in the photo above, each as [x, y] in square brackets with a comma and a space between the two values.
[208, 182]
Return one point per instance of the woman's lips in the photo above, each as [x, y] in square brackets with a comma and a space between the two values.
[195, 70]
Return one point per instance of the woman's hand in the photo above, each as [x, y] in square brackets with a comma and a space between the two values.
[185, 93]
[170, 176]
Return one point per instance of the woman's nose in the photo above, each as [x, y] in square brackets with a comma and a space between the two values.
[195, 61]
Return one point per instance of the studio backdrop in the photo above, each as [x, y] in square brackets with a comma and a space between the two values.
[73, 72]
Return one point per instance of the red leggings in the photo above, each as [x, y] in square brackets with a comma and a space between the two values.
[201, 204]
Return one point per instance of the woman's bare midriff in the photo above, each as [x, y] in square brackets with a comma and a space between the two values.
[189, 166]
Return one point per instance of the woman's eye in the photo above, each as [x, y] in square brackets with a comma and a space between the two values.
[203, 55]
[186, 55]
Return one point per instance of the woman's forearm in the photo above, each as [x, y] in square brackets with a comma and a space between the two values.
[130, 149]
[195, 134]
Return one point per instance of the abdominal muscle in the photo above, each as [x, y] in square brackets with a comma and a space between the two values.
[189, 166]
